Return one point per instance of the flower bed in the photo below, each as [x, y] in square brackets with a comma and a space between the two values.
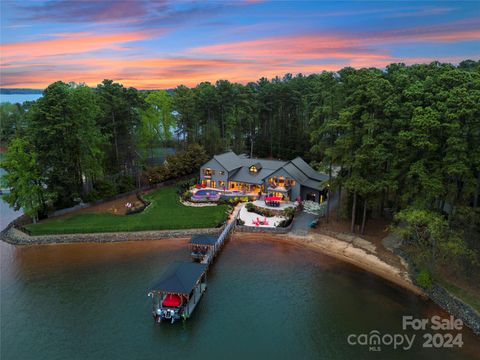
[137, 206]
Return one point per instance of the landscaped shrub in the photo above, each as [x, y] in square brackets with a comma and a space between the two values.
[186, 196]
[135, 210]
[125, 184]
[286, 222]
[424, 279]
[180, 164]
[258, 210]
[138, 206]
[266, 212]
[143, 200]
[186, 185]
[102, 189]
[250, 207]
[289, 212]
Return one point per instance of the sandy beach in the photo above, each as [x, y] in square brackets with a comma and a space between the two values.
[357, 252]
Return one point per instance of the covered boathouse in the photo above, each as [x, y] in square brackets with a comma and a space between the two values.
[202, 245]
[178, 291]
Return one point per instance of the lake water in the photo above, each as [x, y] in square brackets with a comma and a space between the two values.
[7, 214]
[265, 300]
[18, 98]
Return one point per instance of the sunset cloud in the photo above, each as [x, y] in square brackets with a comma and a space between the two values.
[64, 44]
[161, 44]
[84, 11]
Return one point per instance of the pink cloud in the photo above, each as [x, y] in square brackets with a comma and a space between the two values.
[75, 56]
[68, 44]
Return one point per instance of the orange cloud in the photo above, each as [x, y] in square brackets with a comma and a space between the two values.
[314, 46]
[168, 73]
[67, 44]
[74, 57]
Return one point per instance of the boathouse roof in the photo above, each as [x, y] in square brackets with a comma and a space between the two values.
[180, 277]
[202, 239]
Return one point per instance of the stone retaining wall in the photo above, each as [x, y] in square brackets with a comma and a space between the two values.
[259, 229]
[14, 236]
[455, 306]
[445, 299]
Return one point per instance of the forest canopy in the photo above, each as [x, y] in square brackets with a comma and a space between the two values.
[403, 138]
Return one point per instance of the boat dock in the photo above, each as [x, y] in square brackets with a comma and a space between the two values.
[212, 253]
[182, 285]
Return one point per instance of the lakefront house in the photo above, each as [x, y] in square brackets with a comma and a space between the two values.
[289, 180]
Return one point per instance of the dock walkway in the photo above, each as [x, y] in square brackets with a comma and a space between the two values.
[187, 280]
[222, 237]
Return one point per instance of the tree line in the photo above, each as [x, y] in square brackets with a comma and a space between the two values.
[404, 138]
[77, 143]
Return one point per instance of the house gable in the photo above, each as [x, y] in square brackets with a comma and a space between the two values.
[213, 164]
[282, 172]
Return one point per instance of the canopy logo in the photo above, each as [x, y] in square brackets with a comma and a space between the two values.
[375, 340]
[440, 337]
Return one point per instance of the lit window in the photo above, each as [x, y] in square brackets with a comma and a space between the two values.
[253, 169]
[221, 184]
[208, 172]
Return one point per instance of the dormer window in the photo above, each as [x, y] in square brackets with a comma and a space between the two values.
[255, 168]
[208, 172]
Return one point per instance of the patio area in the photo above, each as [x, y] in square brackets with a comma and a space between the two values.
[256, 220]
[282, 205]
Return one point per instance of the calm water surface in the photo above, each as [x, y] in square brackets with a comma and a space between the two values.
[265, 300]
[18, 98]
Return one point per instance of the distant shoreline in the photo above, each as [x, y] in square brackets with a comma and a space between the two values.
[8, 91]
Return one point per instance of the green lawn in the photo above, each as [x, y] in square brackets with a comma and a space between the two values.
[164, 213]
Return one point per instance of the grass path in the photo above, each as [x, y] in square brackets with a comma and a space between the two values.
[164, 213]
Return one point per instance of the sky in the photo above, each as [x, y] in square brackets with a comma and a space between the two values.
[161, 44]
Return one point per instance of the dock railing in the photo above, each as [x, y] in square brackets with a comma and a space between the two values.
[208, 258]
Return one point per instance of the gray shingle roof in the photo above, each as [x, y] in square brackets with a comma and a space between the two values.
[229, 160]
[301, 177]
[238, 166]
[307, 170]
[180, 277]
[202, 239]
[244, 175]
[265, 163]
[258, 165]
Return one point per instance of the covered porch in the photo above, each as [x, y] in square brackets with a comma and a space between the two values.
[280, 192]
[246, 188]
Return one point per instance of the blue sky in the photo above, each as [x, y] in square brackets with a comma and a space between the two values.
[161, 44]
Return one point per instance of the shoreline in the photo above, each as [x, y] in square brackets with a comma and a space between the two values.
[358, 253]
[352, 254]
[355, 251]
